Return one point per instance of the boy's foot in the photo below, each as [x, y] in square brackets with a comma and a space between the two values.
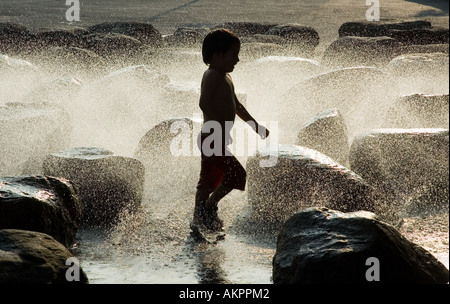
[213, 222]
[207, 217]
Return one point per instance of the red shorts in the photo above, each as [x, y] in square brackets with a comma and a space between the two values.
[225, 169]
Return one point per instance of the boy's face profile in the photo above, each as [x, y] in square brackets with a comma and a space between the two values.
[226, 62]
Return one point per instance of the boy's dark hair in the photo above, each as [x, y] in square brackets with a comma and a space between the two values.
[219, 40]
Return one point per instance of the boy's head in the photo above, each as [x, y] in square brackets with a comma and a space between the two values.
[219, 42]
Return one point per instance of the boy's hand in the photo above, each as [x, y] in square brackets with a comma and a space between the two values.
[262, 131]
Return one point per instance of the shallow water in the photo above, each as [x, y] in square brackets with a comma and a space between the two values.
[152, 248]
[160, 251]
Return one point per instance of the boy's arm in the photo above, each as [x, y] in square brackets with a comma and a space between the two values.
[242, 112]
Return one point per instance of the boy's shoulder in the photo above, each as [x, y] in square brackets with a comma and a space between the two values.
[212, 77]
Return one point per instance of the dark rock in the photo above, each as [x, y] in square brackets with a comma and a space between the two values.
[28, 257]
[376, 29]
[46, 38]
[243, 29]
[302, 36]
[409, 163]
[142, 31]
[285, 179]
[186, 36]
[357, 51]
[419, 111]
[40, 203]
[14, 38]
[421, 36]
[29, 131]
[327, 133]
[323, 246]
[112, 44]
[107, 185]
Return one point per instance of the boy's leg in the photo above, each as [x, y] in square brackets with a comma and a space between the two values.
[219, 193]
[201, 197]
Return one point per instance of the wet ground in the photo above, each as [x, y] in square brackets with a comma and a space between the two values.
[153, 247]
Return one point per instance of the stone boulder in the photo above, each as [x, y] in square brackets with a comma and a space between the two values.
[29, 131]
[170, 155]
[28, 257]
[418, 32]
[361, 51]
[426, 72]
[412, 164]
[304, 37]
[40, 203]
[351, 90]
[107, 184]
[284, 179]
[419, 111]
[426, 64]
[327, 133]
[14, 38]
[378, 29]
[43, 39]
[186, 36]
[244, 29]
[145, 32]
[113, 44]
[323, 246]
[421, 36]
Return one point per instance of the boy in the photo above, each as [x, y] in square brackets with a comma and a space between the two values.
[220, 171]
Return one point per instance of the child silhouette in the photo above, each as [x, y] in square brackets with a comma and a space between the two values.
[220, 171]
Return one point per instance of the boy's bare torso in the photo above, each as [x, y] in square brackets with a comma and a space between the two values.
[218, 99]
